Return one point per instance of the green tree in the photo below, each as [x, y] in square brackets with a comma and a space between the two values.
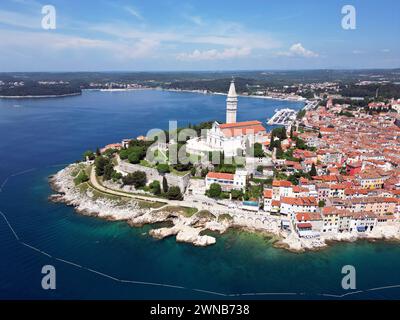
[116, 175]
[236, 194]
[271, 143]
[300, 144]
[258, 150]
[89, 154]
[155, 187]
[133, 158]
[165, 185]
[214, 191]
[163, 168]
[100, 164]
[183, 167]
[108, 171]
[139, 150]
[280, 133]
[137, 178]
[204, 172]
[321, 203]
[313, 171]
[174, 193]
[110, 152]
[124, 154]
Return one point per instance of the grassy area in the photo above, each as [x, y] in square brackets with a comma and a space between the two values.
[79, 168]
[225, 217]
[97, 194]
[81, 174]
[178, 173]
[87, 186]
[147, 164]
[185, 211]
[149, 204]
[205, 214]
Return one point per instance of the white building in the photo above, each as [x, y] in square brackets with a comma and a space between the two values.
[396, 105]
[227, 181]
[291, 206]
[232, 137]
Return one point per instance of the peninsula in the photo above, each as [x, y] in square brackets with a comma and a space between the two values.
[331, 174]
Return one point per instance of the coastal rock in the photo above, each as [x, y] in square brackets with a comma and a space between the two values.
[220, 227]
[86, 203]
[163, 232]
[191, 235]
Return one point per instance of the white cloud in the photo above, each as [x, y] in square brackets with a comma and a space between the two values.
[120, 40]
[240, 39]
[297, 50]
[16, 19]
[51, 43]
[133, 12]
[385, 50]
[214, 54]
[358, 52]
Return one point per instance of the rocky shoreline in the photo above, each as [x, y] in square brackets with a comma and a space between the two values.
[185, 229]
[189, 229]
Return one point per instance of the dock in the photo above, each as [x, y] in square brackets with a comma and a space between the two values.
[284, 117]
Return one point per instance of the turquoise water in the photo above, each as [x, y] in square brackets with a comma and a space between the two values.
[42, 135]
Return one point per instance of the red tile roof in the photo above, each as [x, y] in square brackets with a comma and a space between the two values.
[302, 201]
[281, 183]
[304, 225]
[220, 175]
[241, 128]
[268, 193]
[239, 124]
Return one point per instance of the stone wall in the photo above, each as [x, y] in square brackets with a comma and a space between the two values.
[152, 174]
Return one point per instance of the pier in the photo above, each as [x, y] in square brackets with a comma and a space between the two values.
[283, 117]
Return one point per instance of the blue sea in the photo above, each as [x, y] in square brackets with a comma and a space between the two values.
[97, 259]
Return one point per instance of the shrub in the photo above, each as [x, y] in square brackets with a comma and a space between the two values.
[101, 163]
[89, 154]
[236, 194]
[174, 193]
[155, 187]
[163, 168]
[81, 178]
[133, 158]
[137, 179]
[214, 191]
[124, 154]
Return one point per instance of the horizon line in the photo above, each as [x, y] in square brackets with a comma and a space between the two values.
[206, 71]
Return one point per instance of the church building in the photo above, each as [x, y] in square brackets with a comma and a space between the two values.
[230, 137]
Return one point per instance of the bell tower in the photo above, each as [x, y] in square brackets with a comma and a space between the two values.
[231, 104]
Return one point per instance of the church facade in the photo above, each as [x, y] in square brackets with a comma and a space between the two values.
[231, 137]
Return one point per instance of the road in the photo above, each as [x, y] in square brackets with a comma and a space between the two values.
[193, 201]
[190, 202]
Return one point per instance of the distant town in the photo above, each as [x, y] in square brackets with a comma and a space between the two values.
[329, 172]
[352, 85]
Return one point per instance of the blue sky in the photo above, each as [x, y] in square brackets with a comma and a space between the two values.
[150, 35]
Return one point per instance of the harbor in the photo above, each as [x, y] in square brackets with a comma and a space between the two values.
[284, 117]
